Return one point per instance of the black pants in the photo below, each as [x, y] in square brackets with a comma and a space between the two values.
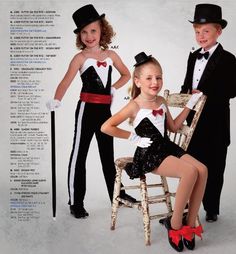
[214, 157]
[88, 120]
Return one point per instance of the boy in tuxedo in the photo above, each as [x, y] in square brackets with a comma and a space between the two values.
[212, 70]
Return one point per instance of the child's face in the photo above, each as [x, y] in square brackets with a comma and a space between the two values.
[90, 35]
[149, 80]
[207, 35]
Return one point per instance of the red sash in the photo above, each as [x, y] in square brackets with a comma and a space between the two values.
[95, 98]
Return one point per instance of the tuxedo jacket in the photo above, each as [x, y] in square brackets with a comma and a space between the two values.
[218, 83]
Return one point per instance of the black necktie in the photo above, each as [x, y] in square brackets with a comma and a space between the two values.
[205, 55]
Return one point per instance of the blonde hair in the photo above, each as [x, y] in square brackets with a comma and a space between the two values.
[107, 33]
[134, 90]
[216, 25]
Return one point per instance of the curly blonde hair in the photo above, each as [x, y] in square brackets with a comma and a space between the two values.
[107, 33]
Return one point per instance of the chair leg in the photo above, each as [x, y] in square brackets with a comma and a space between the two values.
[145, 210]
[115, 202]
[166, 192]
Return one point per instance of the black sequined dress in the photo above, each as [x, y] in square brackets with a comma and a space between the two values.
[147, 159]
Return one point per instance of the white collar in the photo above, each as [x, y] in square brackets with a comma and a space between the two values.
[211, 50]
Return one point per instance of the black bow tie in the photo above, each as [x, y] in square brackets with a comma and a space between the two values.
[205, 55]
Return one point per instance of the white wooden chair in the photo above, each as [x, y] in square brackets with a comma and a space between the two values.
[182, 137]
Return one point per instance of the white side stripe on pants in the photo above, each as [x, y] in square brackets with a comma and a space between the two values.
[75, 152]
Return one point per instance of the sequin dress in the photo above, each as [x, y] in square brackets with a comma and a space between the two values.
[147, 159]
[96, 79]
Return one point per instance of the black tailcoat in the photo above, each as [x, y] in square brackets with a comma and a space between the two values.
[212, 135]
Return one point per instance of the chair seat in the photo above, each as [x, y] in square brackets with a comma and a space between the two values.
[121, 162]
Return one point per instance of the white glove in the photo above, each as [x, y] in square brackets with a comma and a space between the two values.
[193, 100]
[113, 91]
[139, 141]
[53, 104]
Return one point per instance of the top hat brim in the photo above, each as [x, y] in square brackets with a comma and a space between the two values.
[143, 61]
[78, 29]
[222, 22]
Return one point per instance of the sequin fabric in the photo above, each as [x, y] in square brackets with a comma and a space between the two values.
[147, 159]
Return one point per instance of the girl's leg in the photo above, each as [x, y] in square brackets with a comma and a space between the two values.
[105, 146]
[198, 190]
[83, 134]
[188, 174]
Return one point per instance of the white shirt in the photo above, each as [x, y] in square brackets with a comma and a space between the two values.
[200, 65]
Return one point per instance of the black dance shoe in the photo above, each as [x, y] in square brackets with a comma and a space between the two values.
[78, 211]
[174, 236]
[211, 217]
[127, 197]
[189, 244]
[161, 221]
[188, 234]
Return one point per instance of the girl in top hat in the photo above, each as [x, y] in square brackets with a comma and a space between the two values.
[94, 63]
[212, 70]
[155, 152]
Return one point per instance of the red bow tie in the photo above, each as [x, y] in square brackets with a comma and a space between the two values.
[104, 64]
[158, 111]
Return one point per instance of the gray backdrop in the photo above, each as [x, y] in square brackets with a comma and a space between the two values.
[158, 27]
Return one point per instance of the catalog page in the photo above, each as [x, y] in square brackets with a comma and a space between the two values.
[39, 134]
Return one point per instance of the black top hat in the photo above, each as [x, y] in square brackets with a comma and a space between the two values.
[84, 16]
[208, 13]
[141, 58]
